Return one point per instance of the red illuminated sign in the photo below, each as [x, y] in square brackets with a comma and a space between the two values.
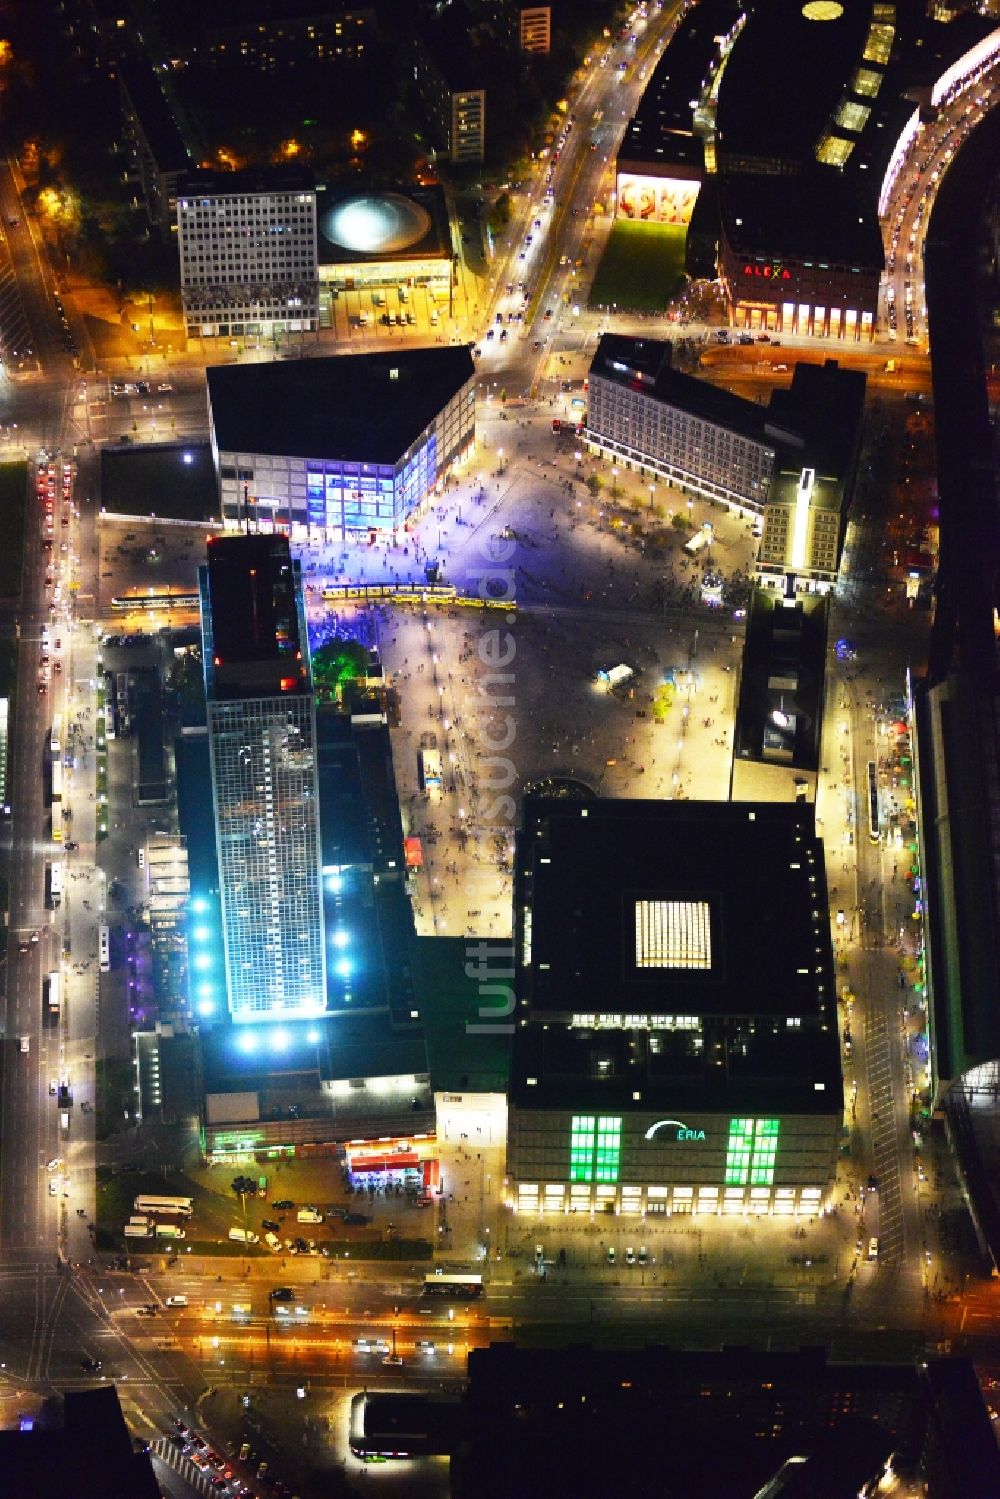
[774, 272]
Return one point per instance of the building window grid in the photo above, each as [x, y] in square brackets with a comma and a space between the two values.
[751, 1152]
[673, 934]
[263, 771]
[595, 1148]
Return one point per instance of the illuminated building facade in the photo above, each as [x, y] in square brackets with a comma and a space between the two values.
[790, 263]
[535, 28]
[247, 246]
[262, 738]
[287, 39]
[812, 486]
[445, 77]
[642, 412]
[670, 1056]
[333, 446]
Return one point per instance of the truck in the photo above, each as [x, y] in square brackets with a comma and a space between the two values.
[170, 1231]
[244, 1236]
[138, 1231]
[309, 1215]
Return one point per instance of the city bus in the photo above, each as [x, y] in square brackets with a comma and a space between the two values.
[53, 886]
[428, 768]
[874, 829]
[465, 1287]
[104, 948]
[55, 736]
[54, 986]
[176, 1207]
[56, 799]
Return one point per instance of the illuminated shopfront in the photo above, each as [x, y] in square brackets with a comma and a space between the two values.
[793, 295]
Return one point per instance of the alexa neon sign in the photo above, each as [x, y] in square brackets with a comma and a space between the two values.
[769, 272]
[683, 1132]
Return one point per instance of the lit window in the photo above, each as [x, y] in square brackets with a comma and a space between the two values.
[672, 934]
[595, 1148]
[751, 1152]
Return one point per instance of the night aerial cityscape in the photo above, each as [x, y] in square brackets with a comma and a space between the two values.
[500, 749]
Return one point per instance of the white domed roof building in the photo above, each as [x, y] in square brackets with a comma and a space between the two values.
[368, 238]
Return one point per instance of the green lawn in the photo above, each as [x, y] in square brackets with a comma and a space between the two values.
[13, 498]
[641, 267]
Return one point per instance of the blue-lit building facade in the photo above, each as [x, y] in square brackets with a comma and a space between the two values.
[262, 741]
[328, 447]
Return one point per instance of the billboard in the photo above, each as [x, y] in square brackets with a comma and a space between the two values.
[656, 200]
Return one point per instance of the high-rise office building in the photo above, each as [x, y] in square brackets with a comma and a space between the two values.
[247, 244]
[262, 735]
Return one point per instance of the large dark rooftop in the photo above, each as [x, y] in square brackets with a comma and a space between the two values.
[780, 710]
[784, 79]
[771, 1068]
[825, 406]
[269, 179]
[672, 908]
[356, 408]
[819, 214]
[665, 110]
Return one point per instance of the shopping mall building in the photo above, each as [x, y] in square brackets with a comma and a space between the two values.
[327, 447]
[676, 1048]
[780, 174]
